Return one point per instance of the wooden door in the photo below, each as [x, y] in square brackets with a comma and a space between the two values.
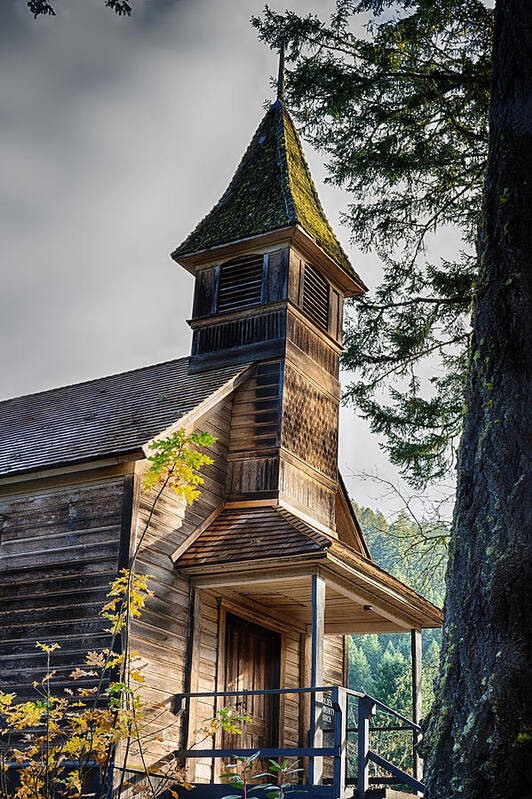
[252, 662]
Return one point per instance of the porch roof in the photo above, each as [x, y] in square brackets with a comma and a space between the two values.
[264, 559]
[240, 534]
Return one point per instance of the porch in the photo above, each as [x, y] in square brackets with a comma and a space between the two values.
[326, 593]
[333, 738]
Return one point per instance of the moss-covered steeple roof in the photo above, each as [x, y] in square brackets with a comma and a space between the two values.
[271, 189]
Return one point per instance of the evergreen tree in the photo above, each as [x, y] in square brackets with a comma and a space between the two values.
[400, 109]
[393, 681]
[372, 649]
[41, 8]
[359, 674]
[393, 686]
[413, 550]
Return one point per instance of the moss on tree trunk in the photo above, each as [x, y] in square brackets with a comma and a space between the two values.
[479, 738]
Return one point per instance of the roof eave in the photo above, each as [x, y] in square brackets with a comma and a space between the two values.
[292, 235]
[351, 286]
[269, 561]
[194, 261]
[431, 615]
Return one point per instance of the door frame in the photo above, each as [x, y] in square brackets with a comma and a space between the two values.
[225, 607]
[275, 673]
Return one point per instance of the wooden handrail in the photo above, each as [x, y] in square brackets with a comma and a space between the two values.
[289, 751]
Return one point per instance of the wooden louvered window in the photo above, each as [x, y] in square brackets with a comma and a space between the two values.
[315, 301]
[240, 283]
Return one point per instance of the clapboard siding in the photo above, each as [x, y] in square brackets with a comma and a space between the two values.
[290, 675]
[333, 660]
[161, 636]
[333, 674]
[206, 679]
[59, 552]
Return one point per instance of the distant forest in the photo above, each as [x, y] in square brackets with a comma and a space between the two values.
[381, 664]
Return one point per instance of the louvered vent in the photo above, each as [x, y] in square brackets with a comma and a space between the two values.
[240, 283]
[316, 297]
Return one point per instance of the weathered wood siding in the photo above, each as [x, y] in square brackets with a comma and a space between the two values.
[205, 680]
[59, 551]
[290, 678]
[255, 431]
[161, 636]
[333, 660]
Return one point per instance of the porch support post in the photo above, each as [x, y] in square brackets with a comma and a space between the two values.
[316, 676]
[417, 698]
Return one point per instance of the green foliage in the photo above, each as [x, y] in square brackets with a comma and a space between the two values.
[175, 463]
[41, 8]
[359, 668]
[400, 109]
[381, 664]
[285, 772]
[242, 779]
[391, 682]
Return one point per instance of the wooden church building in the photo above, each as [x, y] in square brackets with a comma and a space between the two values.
[260, 581]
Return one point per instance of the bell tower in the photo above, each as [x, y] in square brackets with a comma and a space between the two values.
[270, 280]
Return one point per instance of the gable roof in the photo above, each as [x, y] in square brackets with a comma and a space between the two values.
[239, 534]
[271, 189]
[112, 415]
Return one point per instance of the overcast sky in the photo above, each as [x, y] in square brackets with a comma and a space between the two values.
[117, 135]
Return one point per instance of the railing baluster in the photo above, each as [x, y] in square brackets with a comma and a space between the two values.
[339, 703]
[366, 709]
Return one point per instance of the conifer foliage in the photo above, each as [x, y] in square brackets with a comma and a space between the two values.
[396, 95]
[380, 665]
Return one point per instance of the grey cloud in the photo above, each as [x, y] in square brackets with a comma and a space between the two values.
[117, 136]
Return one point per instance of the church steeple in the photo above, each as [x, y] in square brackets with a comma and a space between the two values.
[271, 190]
[271, 277]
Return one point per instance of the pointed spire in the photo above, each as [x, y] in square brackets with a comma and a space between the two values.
[280, 78]
[272, 189]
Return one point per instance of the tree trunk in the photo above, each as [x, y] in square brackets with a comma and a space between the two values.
[479, 736]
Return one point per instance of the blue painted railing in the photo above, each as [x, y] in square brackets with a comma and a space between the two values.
[339, 696]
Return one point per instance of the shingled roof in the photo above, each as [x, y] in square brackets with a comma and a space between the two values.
[272, 189]
[239, 534]
[109, 416]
